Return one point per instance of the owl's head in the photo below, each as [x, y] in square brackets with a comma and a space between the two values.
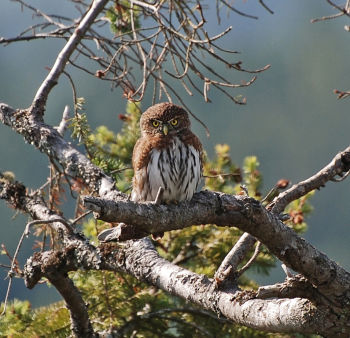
[164, 119]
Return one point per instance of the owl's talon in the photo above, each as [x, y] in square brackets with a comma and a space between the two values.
[157, 235]
[159, 196]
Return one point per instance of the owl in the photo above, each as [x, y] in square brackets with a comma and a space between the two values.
[167, 155]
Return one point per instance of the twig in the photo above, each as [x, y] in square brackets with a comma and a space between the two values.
[74, 92]
[251, 260]
[287, 271]
[38, 12]
[262, 3]
[342, 178]
[237, 11]
[11, 273]
[75, 221]
[66, 224]
[339, 165]
[341, 94]
[116, 171]
[159, 196]
[328, 17]
[5, 266]
[141, 51]
[244, 189]
[222, 175]
[340, 9]
[64, 122]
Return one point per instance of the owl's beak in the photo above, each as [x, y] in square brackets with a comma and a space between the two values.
[165, 129]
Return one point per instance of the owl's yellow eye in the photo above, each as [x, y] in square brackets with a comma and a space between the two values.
[155, 123]
[174, 122]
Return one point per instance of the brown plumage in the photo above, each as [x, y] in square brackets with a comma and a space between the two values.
[167, 155]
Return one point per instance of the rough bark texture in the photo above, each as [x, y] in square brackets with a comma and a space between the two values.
[139, 258]
[47, 139]
[242, 212]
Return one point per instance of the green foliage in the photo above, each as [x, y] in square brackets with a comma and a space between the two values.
[252, 177]
[120, 18]
[223, 175]
[119, 145]
[22, 321]
[79, 124]
[122, 302]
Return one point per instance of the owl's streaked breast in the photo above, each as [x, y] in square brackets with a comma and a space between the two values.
[176, 168]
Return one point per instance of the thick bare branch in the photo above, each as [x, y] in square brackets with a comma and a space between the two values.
[140, 259]
[80, 321]
[48, 140]
[242, 212]
[15, 193]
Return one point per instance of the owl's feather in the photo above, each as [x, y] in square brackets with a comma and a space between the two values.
[177, 168]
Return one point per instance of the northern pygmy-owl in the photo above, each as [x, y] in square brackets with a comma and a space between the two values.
[167, 155]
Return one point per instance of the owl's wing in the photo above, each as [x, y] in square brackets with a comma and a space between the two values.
[140, 155]
[140, 159]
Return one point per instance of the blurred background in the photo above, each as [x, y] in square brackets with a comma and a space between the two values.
[292, 121]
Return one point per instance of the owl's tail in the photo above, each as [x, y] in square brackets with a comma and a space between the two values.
[109, 235]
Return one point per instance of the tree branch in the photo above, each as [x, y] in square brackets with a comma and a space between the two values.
[337, 167]
[221, 209]
[15, 193]
[80, 321]
[48, 140]
[228, 268]
[140, 259]
[206, 207]
[39, 102]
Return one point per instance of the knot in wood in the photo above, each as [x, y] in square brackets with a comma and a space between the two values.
[250, 206]
[345, 158]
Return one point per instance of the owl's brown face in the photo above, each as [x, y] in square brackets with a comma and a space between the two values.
[165, 119]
